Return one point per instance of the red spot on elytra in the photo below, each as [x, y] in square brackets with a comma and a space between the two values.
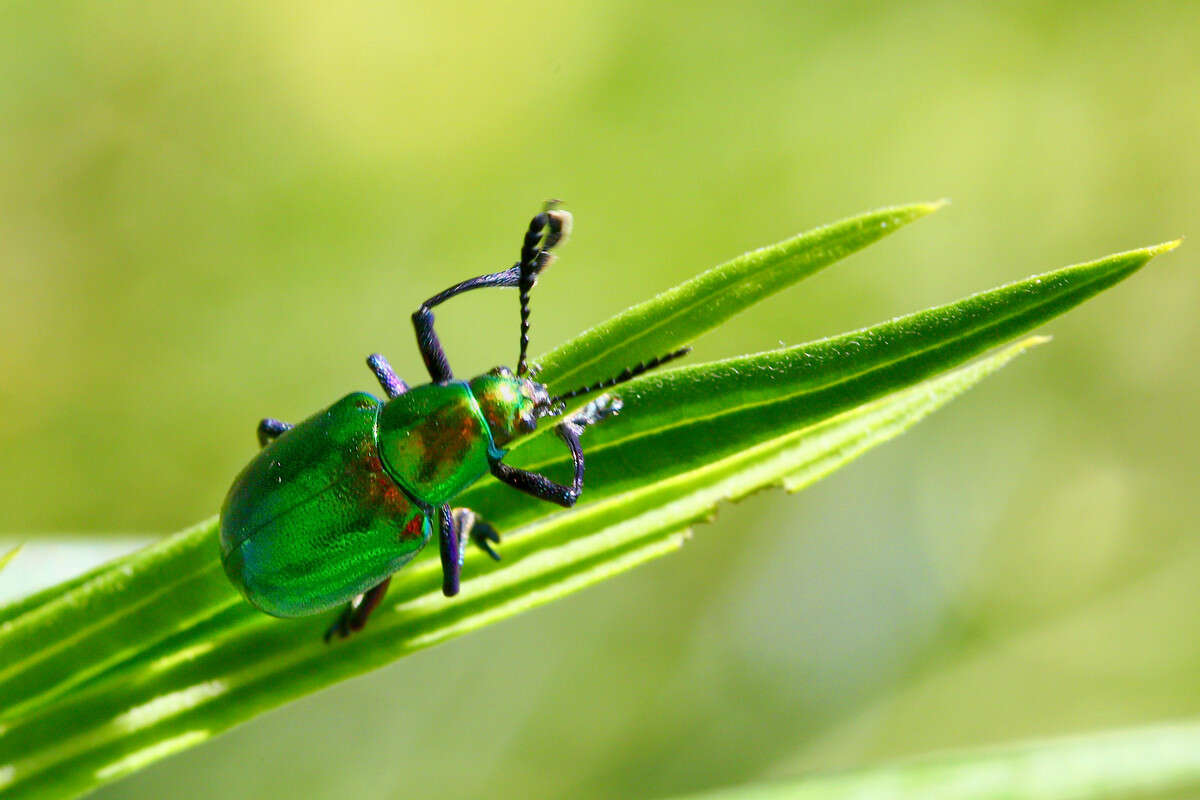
[415, 527]
[380, 488]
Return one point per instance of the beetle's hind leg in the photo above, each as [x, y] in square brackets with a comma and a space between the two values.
[455, 527]
[269, 429]
[481, 534]
[355, 615]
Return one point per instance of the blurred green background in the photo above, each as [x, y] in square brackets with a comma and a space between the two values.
[211, 213]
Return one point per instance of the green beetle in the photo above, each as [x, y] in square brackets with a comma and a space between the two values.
[330, 508]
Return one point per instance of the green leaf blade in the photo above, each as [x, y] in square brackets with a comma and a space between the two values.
[677, 316]
[254, 663]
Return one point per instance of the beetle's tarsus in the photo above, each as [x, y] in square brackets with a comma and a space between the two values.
[546, 230]
[600, 409]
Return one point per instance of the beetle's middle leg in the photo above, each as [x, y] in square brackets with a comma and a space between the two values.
[451, 551]
[546, 230]
[455, 526]
[539, 485]
[354, 617]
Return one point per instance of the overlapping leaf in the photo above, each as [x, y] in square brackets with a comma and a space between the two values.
[1156, 762]
[679, 315]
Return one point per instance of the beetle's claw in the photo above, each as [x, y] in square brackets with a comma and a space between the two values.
[483, 535]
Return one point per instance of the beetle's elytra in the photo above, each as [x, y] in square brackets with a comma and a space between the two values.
[330, 508]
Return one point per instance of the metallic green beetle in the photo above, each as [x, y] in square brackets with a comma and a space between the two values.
[332, 507]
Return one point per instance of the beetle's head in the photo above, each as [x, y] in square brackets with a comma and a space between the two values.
[511, 405]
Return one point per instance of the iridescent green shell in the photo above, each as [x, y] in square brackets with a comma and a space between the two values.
[314, 520]
[338, 503]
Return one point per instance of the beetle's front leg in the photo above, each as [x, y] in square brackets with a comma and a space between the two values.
[546, 230]
[539, 485]
[354, 617]
[427, 339]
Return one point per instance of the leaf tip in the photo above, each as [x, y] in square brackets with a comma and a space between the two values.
[1165, 247]
[918, 210]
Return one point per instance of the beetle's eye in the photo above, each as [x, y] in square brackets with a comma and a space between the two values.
[528, 423]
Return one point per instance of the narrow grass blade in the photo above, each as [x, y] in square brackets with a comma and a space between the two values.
[677, 316]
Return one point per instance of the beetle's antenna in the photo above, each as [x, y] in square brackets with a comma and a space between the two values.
[546, 230]
[627, 374]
